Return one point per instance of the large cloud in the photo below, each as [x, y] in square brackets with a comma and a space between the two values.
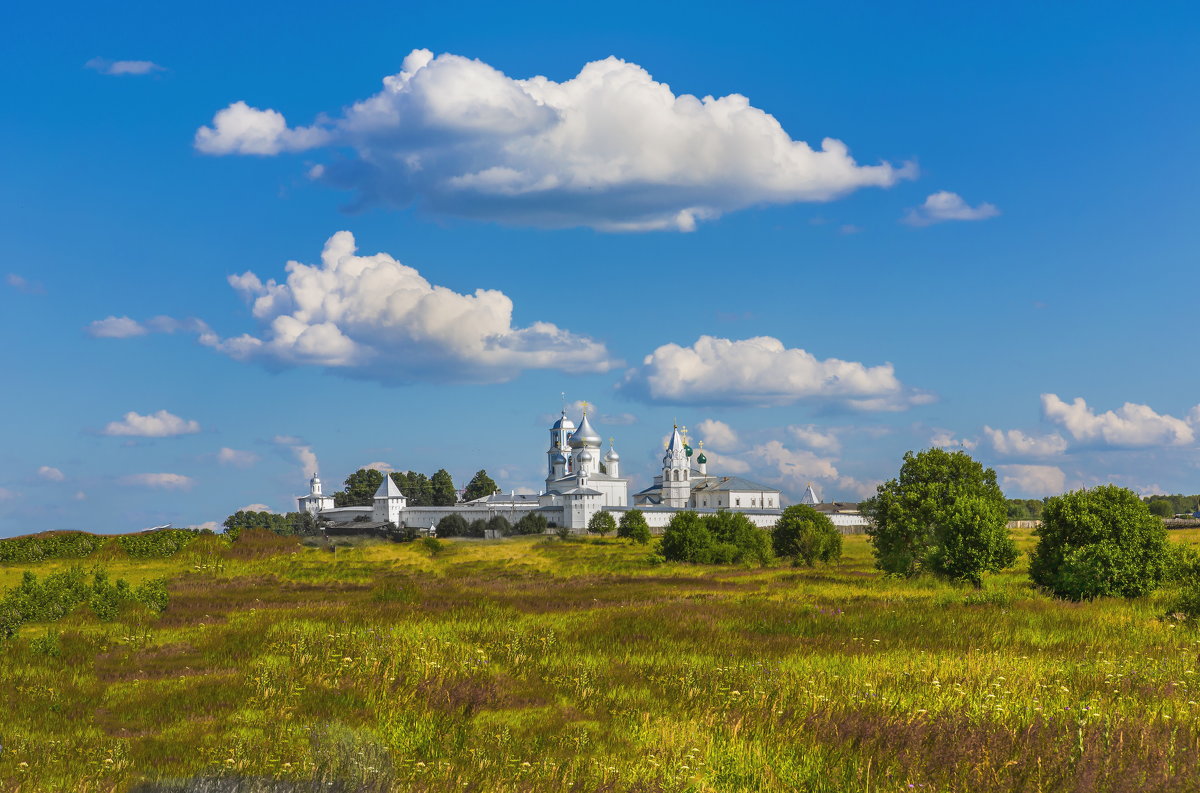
[761, 371]
[610, 148]
[1130, 426]
[373, 317]
[155, 425]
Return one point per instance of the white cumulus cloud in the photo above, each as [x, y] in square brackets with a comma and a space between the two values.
[382, 467]
[944, 205]
[116, 328]
[815, 437]
[123, 68]
[610, 148]
[155, 425]
[1015, 443]
[236, 457]
[51, 474]
[373, 317]
[1032, 481]
[717, 434]
[241, 129]
[761, 371]
[162, 481]
[255, 508]
[1130, 426]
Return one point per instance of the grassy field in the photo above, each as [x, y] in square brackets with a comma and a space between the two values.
[540, 664]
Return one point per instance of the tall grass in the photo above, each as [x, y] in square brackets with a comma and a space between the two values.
[538, 664]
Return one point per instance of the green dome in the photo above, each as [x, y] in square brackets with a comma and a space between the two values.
[702, 459]
[687, 450]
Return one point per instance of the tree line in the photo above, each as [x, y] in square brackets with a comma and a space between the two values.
[419, 490]
[1162, 506]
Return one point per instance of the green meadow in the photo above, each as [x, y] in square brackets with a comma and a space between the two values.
[540, 664]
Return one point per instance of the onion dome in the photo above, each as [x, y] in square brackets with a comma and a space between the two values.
[612, 455]
[586, 457]
[702, 459]
[563, 423]
[585, 435]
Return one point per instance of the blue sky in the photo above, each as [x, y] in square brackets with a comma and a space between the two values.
[1006, 228]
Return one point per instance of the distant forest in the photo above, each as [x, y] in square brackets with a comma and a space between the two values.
[1163, 506]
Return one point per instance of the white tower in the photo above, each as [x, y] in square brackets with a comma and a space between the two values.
[810, 496]
[315, 501]
[585, 448]
[389, 502]
[612, 460]
[676, 475]
[558, 456]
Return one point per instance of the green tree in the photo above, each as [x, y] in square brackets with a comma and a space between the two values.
[401, 480]
[686, 539]
[602, 523]
[420, 490]
[1162, 508]
[480, 485]
[453, 525]
[500, 525]
[444, 493]
[749, 543]
[360, 488]
[530, 523]
[806, 536]
[633, 526]
[242, 520]
[1100, 542]
[477, 528]
[301, 523]
[919, 524]
[971, 538]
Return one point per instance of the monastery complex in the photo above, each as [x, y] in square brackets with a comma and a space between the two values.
[581, 482]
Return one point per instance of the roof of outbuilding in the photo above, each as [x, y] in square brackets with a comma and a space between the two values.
[726, 483]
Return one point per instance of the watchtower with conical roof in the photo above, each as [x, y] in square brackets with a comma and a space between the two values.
[389, 502]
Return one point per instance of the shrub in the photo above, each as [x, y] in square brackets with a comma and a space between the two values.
[153, 595]
[602, 523]
[633, 526]
[433, 545]
[806, 536]
[58, 594]
[56, 545]
[530, 523]
[477, 528]
[453, 525]
[750, 543]
[500, 525]
[1186, 604]
[686, 539]
[563, 532]
[971, 538]
[1100, 542]
[156, 544]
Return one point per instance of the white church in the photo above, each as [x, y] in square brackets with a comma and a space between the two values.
[580, 483]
